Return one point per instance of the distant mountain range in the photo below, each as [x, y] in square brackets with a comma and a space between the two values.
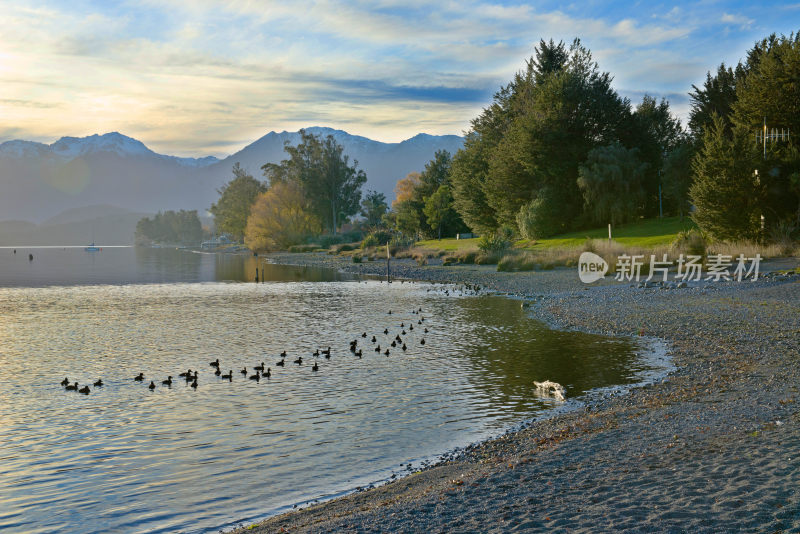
[39, 181]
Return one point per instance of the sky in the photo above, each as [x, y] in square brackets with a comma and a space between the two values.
[202, 77]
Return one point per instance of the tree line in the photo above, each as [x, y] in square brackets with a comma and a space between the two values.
[170, 227]
[558, 149]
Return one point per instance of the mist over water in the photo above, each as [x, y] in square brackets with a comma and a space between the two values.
[132, 460]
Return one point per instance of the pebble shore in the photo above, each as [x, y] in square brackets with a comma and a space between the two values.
[714, 447]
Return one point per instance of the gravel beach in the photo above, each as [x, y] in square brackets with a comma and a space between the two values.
[715, 447]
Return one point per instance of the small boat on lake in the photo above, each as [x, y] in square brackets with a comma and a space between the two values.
[92, 248]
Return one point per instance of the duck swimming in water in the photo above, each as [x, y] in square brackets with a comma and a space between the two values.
[152, 386]
[283, 354]
[194, 384]
[316, 367]
[99, 383]
[244, 371]
[229, 376]
[422, 342]
[267, 373]
[373, 339]
[217, 372]
[72, 388]
[186, 374]
[84, 390]
[299, 360]
[168, 381]
[256, 376]
[139, 377]
[281, 363]
[215, 363]
[259, 367]
[65, 382]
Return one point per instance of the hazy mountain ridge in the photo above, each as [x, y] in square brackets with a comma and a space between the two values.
[38, 181]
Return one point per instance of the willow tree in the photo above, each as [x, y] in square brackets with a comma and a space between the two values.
[280, 218]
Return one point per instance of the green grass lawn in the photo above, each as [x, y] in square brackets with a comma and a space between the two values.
[645, 233]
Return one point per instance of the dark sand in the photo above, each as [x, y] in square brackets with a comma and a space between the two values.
[713, 448]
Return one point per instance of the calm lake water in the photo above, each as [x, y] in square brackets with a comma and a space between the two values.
[127, 459]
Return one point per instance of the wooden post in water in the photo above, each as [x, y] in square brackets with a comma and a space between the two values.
[388, 269]
[256, 275]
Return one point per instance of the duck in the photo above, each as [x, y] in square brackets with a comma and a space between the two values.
[419, 322]
[281, 363]
[364, 334]
[327, 352]
[65, 382]
[398, 338]
[299, 360]
[402, 325]
[72, 388]
[268, 372]
[403, 332]
[244, 371]
[259, 367]
[187, 373]
[426, 330]
[422, 341]
[359, 353]
[394, 343]
[283, 354]
[256, 376]
[152, 386]
[373, 339]
[194, 384]
[411, 326]
[168, 381]
[378, 348]
[217, 372]
[139, 377]
[229, 376]
[85, 390]
[387, 352]
[316, 353]
[385, 330]
[404, 347]
[315, 367]
[215, 363]
[390, 312]
[99, 383]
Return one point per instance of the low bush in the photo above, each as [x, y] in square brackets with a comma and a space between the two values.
[304, 248]
[356, 258]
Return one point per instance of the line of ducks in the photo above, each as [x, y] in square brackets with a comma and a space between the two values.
[191, 376]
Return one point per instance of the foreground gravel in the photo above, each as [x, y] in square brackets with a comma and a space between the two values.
[715, 447]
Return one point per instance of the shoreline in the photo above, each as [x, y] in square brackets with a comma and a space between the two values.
[714, 447]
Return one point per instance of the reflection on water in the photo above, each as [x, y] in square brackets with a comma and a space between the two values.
[135, 265]
[128, 459]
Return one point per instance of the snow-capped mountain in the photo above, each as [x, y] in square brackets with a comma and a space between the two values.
[38, 180]
[69, 148]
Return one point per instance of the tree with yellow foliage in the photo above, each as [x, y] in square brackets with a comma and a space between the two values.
[280, 218]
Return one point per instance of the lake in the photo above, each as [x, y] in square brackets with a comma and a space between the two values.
[128, 459]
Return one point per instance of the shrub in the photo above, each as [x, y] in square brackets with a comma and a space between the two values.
[376, 238]
[784, 234]
[356, 258]
[488, 258]
[491, 244]
[694, 242]
[326, 241]
[537, 219]
[344, 247]
[304, 248]
[516, 262]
